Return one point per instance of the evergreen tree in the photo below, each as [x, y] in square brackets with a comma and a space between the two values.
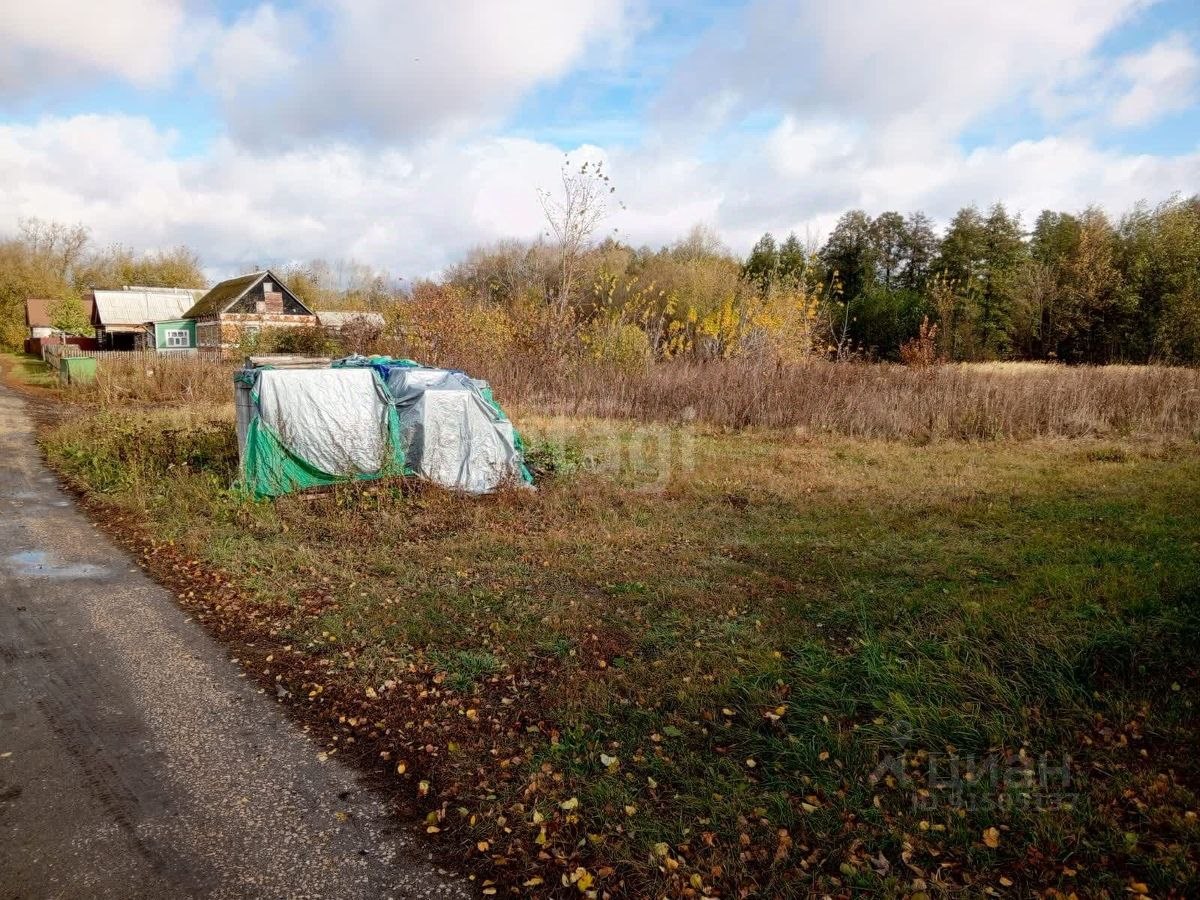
[67, 314]
[1004, 249]
[762, 266]
[888, 233]
[1159, 257]
[850, 253]
[960, 268]
[793, 261]
[919, 248]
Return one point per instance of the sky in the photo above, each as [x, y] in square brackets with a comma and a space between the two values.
[400, 133]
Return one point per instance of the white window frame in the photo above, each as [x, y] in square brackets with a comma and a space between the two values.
[177, 337]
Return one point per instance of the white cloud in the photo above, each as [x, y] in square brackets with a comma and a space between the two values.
[412, 211]
[1161, 80]
[931, 66]
[871, 104]
[49, 42]
[259, 47]
[771, 187]
[399, 69]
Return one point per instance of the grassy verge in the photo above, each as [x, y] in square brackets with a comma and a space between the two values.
[791, 667]
[21, 369]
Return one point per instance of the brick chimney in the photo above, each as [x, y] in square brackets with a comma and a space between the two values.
[272, 298]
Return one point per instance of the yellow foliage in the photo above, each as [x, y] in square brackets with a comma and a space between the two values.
[443, 327]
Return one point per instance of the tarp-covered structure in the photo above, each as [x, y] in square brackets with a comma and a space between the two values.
[370, 417]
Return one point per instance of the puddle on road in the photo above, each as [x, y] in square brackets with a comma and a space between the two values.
[39, 564]
[31, 498]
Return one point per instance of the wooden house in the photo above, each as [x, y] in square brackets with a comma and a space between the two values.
[168, 336]
[244, 306]
[120, 317]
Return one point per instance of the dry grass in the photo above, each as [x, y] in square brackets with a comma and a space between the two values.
[690, 691]
[162, 378]
[876, 401]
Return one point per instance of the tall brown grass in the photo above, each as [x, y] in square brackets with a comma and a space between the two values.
[872, 400]
[867, 400]
[159, 378]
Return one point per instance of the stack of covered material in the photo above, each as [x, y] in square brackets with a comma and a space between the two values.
[365, 418]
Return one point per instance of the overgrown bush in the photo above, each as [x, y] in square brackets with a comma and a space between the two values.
[120, 448]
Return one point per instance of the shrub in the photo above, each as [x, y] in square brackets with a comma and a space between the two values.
[920, 352]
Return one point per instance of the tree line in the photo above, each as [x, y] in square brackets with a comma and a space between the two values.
[1073, 287]
[1076, 287]
[58, 263]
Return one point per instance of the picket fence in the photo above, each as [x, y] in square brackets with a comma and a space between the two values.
[53, 353]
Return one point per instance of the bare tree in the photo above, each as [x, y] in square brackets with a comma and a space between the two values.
[838, 319]
[574, 217]
[58, 245]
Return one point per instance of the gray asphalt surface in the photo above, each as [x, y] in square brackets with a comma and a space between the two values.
[135, 760]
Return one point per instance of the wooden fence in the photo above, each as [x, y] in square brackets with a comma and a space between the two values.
[53, 353]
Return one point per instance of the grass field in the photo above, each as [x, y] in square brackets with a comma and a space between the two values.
[28, 370]
[746, 664]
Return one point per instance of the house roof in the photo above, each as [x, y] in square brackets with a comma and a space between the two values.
[222, 296]
[137, 305]
[230, 291]
[37, 311]
[340, 318]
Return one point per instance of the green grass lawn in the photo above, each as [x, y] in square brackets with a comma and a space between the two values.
[28, 369]
[793, 667]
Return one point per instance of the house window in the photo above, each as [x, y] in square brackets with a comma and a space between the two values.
[177, 337]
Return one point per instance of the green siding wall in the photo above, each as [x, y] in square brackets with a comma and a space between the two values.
[161, 329]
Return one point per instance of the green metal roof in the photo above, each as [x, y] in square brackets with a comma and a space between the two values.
[224, 295]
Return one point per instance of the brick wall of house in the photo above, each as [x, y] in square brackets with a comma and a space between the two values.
[226, 331]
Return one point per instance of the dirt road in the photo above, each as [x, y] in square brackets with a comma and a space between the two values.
[135, 760]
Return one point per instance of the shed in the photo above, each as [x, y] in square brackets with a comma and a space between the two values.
[336, 320]
[38, 319]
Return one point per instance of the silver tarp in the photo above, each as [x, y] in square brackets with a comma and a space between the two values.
[450, 433]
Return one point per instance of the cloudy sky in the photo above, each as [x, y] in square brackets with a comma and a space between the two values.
[400, 132]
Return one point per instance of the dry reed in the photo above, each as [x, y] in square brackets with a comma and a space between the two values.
[863, 400]
[880, 401]
[158, 378]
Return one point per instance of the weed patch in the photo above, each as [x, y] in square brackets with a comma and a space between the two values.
[799, 667]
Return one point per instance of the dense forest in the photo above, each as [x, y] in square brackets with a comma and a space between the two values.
[1074, 287]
